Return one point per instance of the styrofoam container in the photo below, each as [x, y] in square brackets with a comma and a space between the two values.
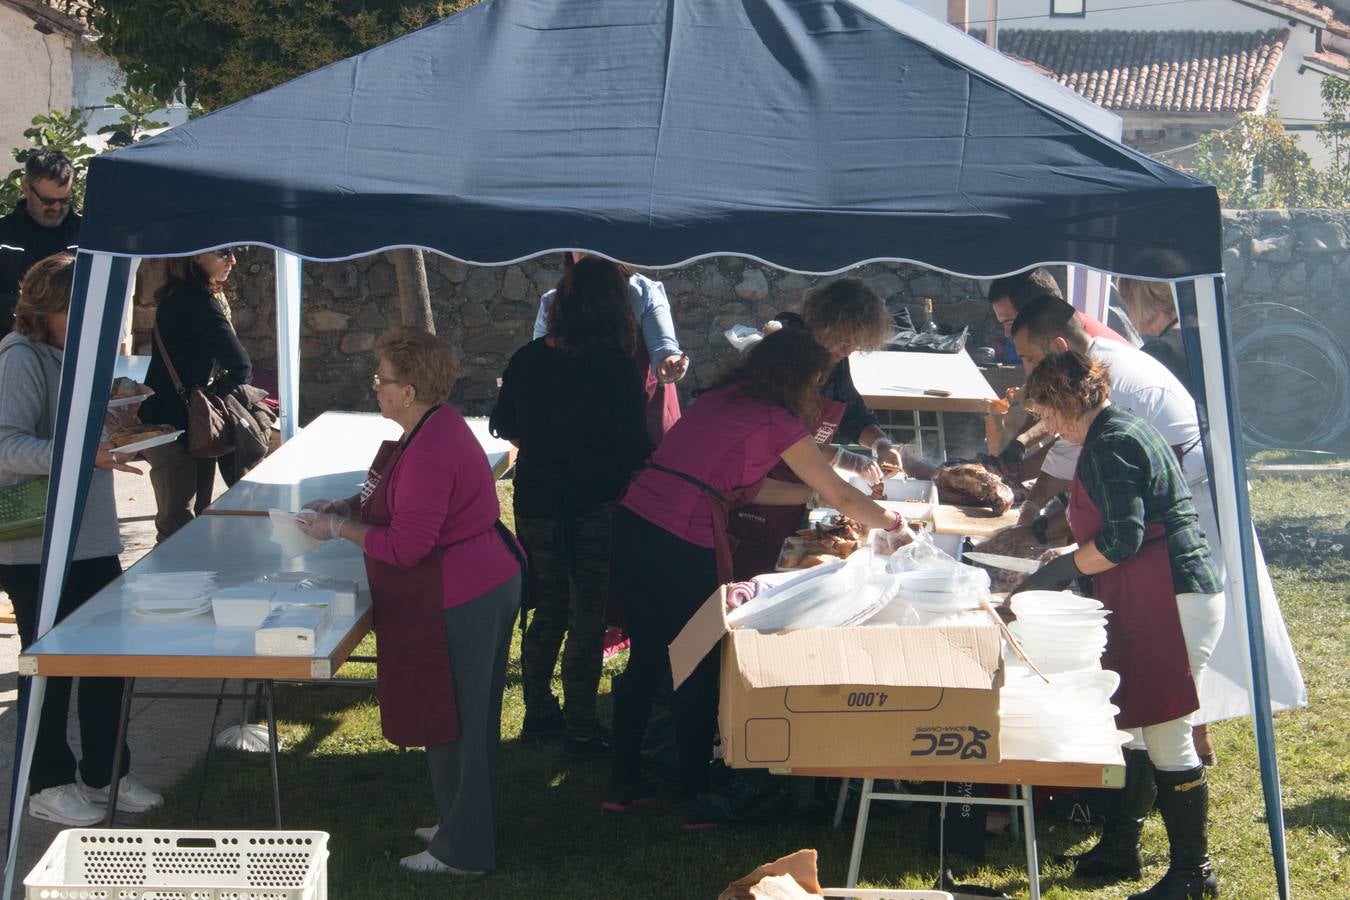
[244, 606]
[202, 865]
[912, 498]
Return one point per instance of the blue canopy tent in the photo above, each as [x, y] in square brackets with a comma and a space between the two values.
[813, 135]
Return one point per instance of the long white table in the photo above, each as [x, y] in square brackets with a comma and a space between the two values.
[104, 637]
[328, 459]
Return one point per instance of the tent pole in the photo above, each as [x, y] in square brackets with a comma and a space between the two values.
[1228, 476]
[95, 321]
[288, 341]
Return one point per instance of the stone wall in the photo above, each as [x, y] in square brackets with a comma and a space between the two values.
[1286, 269]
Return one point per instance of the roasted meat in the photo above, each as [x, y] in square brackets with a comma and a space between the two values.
[971, 484]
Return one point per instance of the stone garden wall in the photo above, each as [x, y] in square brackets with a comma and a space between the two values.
[1288, 274]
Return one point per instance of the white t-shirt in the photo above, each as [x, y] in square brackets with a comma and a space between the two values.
[1146, 388]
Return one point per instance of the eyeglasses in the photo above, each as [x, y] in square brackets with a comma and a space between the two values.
[224, 252]
[51, 201]
[377, 381]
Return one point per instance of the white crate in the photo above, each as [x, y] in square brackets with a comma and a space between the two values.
[172, 864]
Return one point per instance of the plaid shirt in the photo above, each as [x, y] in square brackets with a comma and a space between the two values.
[1133, 477]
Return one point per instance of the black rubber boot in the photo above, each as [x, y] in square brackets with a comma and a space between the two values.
[1116, 854]
[1183, 800]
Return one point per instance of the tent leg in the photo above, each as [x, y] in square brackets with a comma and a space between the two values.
[1228, 476]
[288, 268]
[97, 299]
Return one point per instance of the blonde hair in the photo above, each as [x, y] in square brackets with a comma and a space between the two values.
[847, 311]
[420, 359]
[1148, 302]
[1069, 383]
[44, 292]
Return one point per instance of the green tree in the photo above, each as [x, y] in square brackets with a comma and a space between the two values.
[135, 122]
[215, 52]
[1257, 164]
[54, 130]
[1334, 133]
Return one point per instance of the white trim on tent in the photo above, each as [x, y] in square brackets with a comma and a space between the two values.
[288, 341]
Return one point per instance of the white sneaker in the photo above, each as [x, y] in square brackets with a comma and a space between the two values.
[133, 795]
[425, 862]
[426, 834]
[65, 805]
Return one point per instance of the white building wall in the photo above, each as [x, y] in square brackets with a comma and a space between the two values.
[97, 77]
[1124, 15]
[35, 71]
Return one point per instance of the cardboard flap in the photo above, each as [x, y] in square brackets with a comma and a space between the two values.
[965, 656]
[699, 636]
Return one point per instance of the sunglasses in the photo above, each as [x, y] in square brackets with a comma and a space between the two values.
[224, 252]
[51, 201]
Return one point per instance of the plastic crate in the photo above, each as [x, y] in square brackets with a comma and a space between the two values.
[171, 864]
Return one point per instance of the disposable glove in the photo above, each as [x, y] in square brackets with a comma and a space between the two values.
[336, 507]
[1053, 576]
[864, 467]
[321, 526]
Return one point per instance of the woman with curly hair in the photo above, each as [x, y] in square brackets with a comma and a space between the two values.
[670, 534]
[1139, 538]
[573, 403]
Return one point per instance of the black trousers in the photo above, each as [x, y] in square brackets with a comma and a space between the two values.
[99, 699]
[661, 581]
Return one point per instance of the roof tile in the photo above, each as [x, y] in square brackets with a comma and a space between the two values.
[1160, 71]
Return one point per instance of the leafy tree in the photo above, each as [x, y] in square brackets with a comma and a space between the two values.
[54, 130]
[1257, 164]
[218, 51]
[137, 107]
[1334, 133]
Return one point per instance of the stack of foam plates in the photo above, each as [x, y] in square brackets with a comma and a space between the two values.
[1070, 718]
[1058, 631]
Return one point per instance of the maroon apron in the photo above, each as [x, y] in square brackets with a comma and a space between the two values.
[1144, 641]
[663, 401]
[414, 682]
[757, 531]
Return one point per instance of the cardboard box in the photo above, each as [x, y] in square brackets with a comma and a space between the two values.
[849, 697]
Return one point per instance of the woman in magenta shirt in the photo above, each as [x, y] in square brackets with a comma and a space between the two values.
[670, 544]
[445, 578]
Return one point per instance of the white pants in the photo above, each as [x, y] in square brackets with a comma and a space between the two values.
[1169, 744]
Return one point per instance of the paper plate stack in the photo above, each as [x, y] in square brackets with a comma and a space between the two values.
[1070, 719]
[1060, 632]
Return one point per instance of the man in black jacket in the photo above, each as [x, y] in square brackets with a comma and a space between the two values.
[42, 223]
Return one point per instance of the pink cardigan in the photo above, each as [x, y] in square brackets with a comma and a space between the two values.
[442, 494]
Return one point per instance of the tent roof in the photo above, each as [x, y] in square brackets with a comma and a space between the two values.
[812, 135]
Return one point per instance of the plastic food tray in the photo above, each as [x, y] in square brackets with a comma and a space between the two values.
[157, 864]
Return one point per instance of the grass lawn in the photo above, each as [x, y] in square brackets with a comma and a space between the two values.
[338, 775]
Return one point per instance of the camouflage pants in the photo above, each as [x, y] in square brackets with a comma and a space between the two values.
[570, 600]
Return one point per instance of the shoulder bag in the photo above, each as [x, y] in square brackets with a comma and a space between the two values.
[208, 429]
[23, 506]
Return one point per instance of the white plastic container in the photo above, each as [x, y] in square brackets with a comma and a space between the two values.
[244, 606]
[912, 498]
[203, 865]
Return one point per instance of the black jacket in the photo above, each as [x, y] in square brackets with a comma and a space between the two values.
[198, 337]
[22, 243]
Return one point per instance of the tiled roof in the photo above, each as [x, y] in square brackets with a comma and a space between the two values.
[1337, 62]
[49, 19]
[1159, 71]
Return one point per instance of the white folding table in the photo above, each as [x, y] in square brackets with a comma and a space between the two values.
[896, 380]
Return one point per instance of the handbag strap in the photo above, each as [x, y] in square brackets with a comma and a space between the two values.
[44, 423]
[168, 364]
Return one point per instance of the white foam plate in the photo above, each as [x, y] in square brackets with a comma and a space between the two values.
[181, 613]
[156, 441]
[117, 402]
